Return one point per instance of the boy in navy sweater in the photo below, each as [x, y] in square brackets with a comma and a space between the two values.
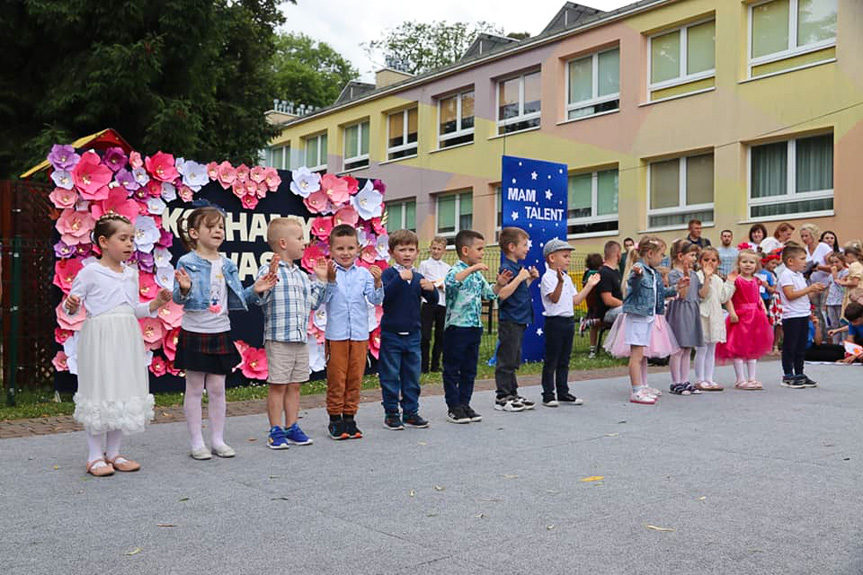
[401, 328]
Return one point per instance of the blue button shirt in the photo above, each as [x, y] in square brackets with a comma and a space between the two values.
[347, 311]
[517, 307]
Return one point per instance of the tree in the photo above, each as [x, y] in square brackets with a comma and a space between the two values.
[417, 47]
[309, 72]
[187, 76]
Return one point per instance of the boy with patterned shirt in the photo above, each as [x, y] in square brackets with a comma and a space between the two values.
[465, 290]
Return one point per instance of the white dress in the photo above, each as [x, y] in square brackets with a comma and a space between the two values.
[113, 380]
[712, 318]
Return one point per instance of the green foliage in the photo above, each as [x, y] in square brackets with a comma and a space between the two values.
[309, 72]
[417, 47]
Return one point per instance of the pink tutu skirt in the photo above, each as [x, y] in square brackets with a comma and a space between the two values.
[750, 338]
[662, 341]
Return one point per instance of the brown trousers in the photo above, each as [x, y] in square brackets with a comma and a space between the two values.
[346, 364]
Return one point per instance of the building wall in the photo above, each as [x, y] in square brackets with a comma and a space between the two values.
[727, 119]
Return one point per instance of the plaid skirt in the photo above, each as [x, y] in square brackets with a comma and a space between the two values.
[207, 352]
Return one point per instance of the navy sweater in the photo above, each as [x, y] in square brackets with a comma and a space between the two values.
[402, 302]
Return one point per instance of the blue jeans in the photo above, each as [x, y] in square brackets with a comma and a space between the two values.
[460, 356]
[399, 371]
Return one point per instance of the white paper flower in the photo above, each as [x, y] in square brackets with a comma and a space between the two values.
[156, 206]
[368, 202]
[382, 246]
[363, 238]
[374, 320]
[63, 179]
[305, 182]
[70, 348]
[169, 191]
[146, 234]
[141, 176]
[317, 355]
[162, 257]
[320, 319]
[164, 276]
[195, 175]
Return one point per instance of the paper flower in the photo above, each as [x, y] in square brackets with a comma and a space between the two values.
[335, 188]
[382, 246]
[319, 318]
[213, 170]
[75, 227]
[364, 238]
[238, 189]
[254, 365]
[346, 215]
[165, 276]
[227, 175]
[352, 183]
[195, 175]
[322, 226]
[378, 226]
[141, 177]
[146, 233]
[368, 202]
[249, 201]
[63, 179]
[115, 158]
[169, 343]
[376, 312]
[171, 315]
[161, 166]
[316, 202]
[151, 329]
[251, 188]
[156, 206]
[242, 173]
[315, 331]
[185, 193]
[272, 179]
[117, 202]
[90, 176]
[311, 254]
[162, 257]
[262, 190]
[126, 179]
[158, 366]
[375, 343]
[305, 182]
[166, 238]
[63, 157]
[145, 262]
[241, 346]
[135, 160]
[154, 189]
[147, 288]
[369, 254]
[257, 174]
[317, 355]
[380, 187]
[63, 198]
[60, 361]
[65, 272]
[61, 335]
[70, 322]
[168, 192]
[83, 250]
[173, 370]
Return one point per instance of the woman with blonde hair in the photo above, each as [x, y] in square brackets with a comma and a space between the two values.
[818, 270]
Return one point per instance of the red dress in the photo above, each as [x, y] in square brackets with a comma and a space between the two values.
[752, 336]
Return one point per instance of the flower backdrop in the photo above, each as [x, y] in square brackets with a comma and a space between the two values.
[89, 185]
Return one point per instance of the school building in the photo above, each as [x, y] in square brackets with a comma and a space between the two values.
[729, 111]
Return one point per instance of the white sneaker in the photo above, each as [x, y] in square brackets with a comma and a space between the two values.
[643, 397]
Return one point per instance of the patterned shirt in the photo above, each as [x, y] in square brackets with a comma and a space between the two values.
[287, 306]
[464, 298]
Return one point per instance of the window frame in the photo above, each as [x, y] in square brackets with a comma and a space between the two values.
[361, 157]
[594, 202]
[791, 195]
[683, 78]
[460, 131]
[404, 146]
[402, 204]
[682, 206]
[793, 50]
[285, 154]
[457, 194]
[522, 117]
[595, 100]
[319, 166]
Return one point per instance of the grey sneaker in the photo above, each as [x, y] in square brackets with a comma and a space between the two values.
[201, 454]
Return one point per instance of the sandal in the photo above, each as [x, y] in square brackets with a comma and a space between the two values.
[692, 389]
[711, 386]
[679, 389]
[123, 463]
[101, 470]
[747, 386]
[755, 385]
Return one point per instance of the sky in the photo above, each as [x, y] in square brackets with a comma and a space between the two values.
[345, 24]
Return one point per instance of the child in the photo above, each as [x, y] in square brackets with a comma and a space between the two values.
[349, 287]
[749, 334]
[770, 295]
[641, 330]
[208, 286]
[514, 314]
[465, 290]
[558, 299]
[286, 310]
[713, 295]
[684, 315]
[113, 396]
[593, 262]
[434, 269]
[854, 316]
[835, 291]
[399, 363]
[795, 317]
[853, 290]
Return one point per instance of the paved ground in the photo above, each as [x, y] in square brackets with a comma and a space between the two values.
[749, 482]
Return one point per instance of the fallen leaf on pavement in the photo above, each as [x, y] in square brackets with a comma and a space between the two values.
[279, 499]
[479, 515]
[184, 499]
[592, 478]
[509, 476]
[431, 515]
[412, 493]
[252, 439]
[702, 498]
[422, 443]
[134, 551]
[439, 487]
[56, 467]
[549, 527]
[165, 525]
[612, 434]
[655, 528]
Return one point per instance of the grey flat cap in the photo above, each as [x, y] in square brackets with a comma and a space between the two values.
[555, 245]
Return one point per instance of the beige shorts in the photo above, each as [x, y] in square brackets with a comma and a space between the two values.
[288, 362]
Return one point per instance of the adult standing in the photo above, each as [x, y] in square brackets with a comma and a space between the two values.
[781, 235]
[819, 271]
[727, 253]
[608, 290]
[628, 244]
[695, 237]
[757, 233]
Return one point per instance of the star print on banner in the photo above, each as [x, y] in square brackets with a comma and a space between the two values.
[548, 194]
[514, 216]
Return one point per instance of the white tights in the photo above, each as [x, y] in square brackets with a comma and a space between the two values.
[680, 365]
[215, 384]
[749, 374]
[705, 362]
[111, 439]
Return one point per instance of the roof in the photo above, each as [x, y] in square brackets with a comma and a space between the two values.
[485, 43]
[353, 90]
[101, 139]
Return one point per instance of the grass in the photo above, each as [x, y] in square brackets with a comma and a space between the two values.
[40, 403]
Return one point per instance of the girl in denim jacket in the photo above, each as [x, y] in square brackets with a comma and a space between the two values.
[208, 286]
[641, 331]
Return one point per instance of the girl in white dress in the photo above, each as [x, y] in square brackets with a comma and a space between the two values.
[113, 397]
[714, 294]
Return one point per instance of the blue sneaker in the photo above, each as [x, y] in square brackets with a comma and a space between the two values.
[276, 439]
[295, 436]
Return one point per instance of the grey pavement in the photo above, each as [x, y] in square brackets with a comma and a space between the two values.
[745, 483]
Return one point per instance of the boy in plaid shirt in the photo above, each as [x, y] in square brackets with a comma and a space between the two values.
[286, 310]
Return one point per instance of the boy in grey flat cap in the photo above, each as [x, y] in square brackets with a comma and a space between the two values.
[559, 299]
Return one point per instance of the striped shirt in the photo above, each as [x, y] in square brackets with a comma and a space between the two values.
[287, 306]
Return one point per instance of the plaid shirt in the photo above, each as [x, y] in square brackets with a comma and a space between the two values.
[288, 305]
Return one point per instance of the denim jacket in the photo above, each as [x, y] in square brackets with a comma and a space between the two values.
[645, 294]
[198, 298]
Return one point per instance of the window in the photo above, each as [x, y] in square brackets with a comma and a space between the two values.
[455, 120]
[316, 152]
[791, 178]
[783, 29]
[518, 103]
[594, 84]
[592, 202]
[680, 190]
[685, 55]
[279, 157]
[356, 146]
[402, 216]
[454, 213]
[498, 193]
[402, 134]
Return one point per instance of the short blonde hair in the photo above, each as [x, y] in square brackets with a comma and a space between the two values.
[438, 240]
[277, 230]
[814, 230]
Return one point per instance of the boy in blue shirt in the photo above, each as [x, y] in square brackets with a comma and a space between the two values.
[514, 315]
[401, 329]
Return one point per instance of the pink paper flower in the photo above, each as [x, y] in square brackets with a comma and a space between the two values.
[380, 187]
[257, 174]
[213, 170]
[251, 188]
[151, 329]
[135, 160]
[161, 166]
[238, 189]
[316, 202]
[369, 254]
[90, 175]
[311, 254]
[185, 193]
[241, 346]
[254, 365]
[249, 202]
[227, 175]
[61, 335]
[352, 183]
[314, 330]
[114, 158]
[65, 272]
[147, 287]
[63, 198]
[154, 188]
[375, 343]
[117, 202]
[75, 227]
[171, 314]
[335, 188]
[59, 361]
[346, 215]
[158, 366]
[272, 179]
[169, 343]
[169, 365]
[322, 226]
[242, 173]
[378, 226]
[70, 322]
[261, 192]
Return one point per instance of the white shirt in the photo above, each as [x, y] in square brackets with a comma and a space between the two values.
[770, 244]
[793, 307]
[822, 250]
[435, 271]
[101, 289]
[563, 307]
[208, 321]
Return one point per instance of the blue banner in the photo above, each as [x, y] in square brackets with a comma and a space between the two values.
[534, 198]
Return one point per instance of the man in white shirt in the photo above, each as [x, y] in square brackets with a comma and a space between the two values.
[434, 269]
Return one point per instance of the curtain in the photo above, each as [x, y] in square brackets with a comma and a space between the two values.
[396, 129]
[411, 215]
[465, 218]
[701, 48]
[467, 110]
[532, 93]
[446, 214]
[364, 136]
[609, 73]
[769, 170]
[412, 126]
[815, 164]
[351, 144]
[606, 193]
[312, 151]
[665, 184]
[580, 196]
[699, 180]
[581, 80]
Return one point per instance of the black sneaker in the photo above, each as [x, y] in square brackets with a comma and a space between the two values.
[569, 399]
[457, 414]
[352, 430]
[474, 416]
[528, 404]
[806, 382]
[508, 403]
[337, 430]
[415, 420]
[393, 421]
[792, 382]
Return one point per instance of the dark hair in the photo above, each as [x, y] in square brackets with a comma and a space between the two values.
[403, 238]
[853, 311]
[106, 226]
[343, 231]
[466, 238]
[835, 245]
[791, 252]
[628, 239]
[610, 246]
[511, 236]
[723, 231]
[758, 227]
[198, 217]
[693, 222]
[593, 261]
[681, 246]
